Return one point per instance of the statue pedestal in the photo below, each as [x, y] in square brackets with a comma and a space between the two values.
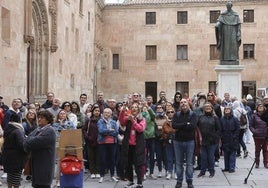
[229, 80]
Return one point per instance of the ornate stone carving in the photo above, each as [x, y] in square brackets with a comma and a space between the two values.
[28, 38]
[39, 49]
[53, 12]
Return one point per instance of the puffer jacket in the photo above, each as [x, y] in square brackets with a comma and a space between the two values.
[230, 128]
[237, 111]
[257, 126]
[209, 126]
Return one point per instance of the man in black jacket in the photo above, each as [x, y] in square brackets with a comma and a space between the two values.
[184, 122]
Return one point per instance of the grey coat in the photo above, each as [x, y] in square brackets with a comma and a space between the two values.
[41, 143]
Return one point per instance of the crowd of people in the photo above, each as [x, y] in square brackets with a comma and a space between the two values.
[135, 132]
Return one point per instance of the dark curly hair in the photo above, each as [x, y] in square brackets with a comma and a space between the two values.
[47, 115]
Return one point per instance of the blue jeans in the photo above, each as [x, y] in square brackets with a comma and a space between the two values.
[184, 150]
[170, 156]
[107, 158]
[160, 154]
[150, 148]
[241, 141]
[229, 159]
[207, 158]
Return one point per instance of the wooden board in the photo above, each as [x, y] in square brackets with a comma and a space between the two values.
[70, 142]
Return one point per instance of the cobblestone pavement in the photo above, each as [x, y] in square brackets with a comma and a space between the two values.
[257, 179]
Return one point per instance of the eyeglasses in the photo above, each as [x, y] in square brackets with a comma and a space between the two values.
[169, 112]
[159, 107]
[209, 95]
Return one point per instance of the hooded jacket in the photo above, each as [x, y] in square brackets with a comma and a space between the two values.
[176, 105]
[230, 128]
[14, 156]
[257, 126]
[237, 111]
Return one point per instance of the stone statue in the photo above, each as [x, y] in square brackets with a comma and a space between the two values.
[228, 36]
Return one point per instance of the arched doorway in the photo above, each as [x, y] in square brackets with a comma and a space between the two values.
[38, 52]
[36, 34]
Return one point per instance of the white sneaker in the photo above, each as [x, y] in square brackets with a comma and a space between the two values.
[151, 176]
[97, 175]
[168, 176]
[216, 164]
[159, 175]
[101, 180]
[114, 179]
[93, 176]
[129, 184]
[4, 176]
[144, 177]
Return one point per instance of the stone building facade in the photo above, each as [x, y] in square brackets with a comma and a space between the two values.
[128, 35]
[47, 45]
[76, 46]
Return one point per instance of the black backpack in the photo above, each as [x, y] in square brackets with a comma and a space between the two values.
[243, 119]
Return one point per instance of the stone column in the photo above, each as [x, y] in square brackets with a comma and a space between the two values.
[28, 36]
[229, 80]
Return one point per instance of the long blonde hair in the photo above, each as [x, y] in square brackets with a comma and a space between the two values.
[31, 122]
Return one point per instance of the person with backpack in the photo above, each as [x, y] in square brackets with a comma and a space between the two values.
[241, 114]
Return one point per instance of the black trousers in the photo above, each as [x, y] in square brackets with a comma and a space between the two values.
[132, 159]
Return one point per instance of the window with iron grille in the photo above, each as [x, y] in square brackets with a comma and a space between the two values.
[212, 85]
[150, 18]
[115, 61]
[182, 17]
[248, 15]
[5, 31]
[248, 50]
[214, 53]
[183, 87]
[151, 51]
[182, 52]
[214, 15]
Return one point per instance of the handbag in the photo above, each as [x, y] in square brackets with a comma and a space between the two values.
[70, 165]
